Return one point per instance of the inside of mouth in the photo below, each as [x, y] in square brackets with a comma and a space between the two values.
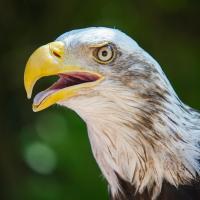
[67, 80]
[64, 81]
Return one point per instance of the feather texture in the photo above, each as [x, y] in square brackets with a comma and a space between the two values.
[144, 139]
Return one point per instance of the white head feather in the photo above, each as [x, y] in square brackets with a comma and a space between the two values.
[138, 128]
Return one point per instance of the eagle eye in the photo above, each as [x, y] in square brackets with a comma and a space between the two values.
[104, 54]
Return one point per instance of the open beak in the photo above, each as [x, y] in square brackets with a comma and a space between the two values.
[49, 60]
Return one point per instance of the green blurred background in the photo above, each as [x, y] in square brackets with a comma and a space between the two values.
[46, 155]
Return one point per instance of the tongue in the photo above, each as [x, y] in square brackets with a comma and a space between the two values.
[42, 95]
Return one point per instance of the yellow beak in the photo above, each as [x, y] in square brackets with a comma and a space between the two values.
[49, 60]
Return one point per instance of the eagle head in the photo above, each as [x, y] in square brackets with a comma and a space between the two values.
[140, 132]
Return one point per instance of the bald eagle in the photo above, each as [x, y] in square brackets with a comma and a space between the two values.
[143, 137]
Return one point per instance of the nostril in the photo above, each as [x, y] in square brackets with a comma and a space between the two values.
[56, 49]
[56, 54]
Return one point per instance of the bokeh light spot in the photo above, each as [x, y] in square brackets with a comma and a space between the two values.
[40, 158]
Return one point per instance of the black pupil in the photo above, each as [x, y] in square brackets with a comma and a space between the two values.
[104, 53]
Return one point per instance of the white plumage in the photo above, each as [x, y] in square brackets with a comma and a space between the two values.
[118, 146]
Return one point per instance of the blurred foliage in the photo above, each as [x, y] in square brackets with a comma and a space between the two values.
[47, 156]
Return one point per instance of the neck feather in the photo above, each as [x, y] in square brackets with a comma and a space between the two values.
[141, 132]
[144, 144]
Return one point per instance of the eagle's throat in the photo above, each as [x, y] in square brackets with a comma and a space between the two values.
[140, 143]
